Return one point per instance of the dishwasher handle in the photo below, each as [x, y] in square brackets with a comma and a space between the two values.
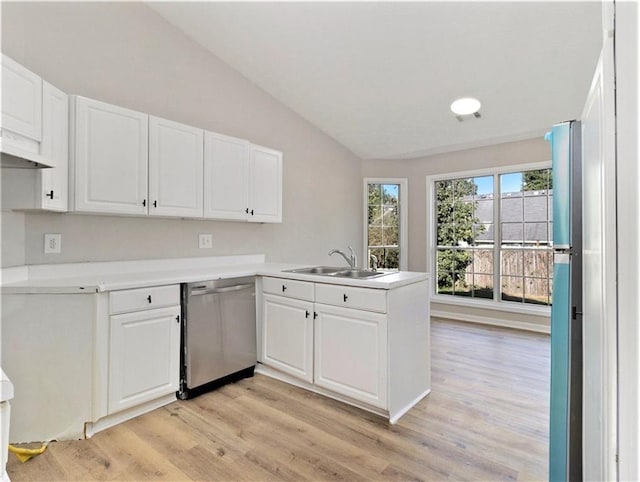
[197, 292]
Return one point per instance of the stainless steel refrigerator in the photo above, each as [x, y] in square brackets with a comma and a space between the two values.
[565, 432]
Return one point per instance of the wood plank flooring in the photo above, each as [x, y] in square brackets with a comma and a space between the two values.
[486, 419]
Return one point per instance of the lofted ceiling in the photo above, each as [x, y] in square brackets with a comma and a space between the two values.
[379, 76]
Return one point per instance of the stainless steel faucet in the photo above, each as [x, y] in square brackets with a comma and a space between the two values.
[374, 262]
[352, 260]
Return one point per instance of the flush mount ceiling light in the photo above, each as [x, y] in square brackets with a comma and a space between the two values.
[465, 106]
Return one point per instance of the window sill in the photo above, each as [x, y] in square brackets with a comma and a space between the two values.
[492, 305]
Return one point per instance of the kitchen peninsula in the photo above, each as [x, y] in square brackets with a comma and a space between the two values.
[362, 341]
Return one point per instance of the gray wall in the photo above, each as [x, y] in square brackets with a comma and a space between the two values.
[126, 54]
[416, 170]
[12, 238]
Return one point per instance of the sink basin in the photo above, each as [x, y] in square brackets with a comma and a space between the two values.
[317, 270]
[358, 273]
[340, 272]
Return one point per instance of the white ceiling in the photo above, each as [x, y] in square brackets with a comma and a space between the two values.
[379, 76]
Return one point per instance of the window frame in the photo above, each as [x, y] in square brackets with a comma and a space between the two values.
[494, 304]
[404, 216]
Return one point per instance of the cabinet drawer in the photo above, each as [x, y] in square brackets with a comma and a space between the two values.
[291, 289]
[143, 299]
[349, 297]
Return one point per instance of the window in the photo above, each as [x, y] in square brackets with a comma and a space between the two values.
[493, 236]
[385, 224]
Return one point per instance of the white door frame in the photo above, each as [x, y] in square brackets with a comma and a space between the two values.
[627, 47]
[600, 414]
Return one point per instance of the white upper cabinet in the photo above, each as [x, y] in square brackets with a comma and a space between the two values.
[53, 187]
[175, 169]
[226, 174]
[190, 173]
[242, 181]
[110, 158]
[35, 127]
[265, 185]
[21, 100]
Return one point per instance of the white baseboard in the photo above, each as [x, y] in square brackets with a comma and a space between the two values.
[485, 320]
[283, 377]
[395, 416]
[91, 428]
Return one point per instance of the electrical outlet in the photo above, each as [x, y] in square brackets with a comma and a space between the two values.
[205, 241]
[52, 243]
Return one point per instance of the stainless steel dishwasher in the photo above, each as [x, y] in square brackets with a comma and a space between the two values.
[218, 334]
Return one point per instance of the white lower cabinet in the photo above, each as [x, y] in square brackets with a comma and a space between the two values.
[287, 342]
[351, 353]
[144, 346]
[369, 346]
[144, 357]
[343, 350]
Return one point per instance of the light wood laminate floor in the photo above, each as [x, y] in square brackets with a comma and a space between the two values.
[486, 419]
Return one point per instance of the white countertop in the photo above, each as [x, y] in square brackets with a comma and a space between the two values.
[386, 282]
[75, 278]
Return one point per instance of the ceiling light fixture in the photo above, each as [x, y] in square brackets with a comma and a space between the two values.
[465, 106]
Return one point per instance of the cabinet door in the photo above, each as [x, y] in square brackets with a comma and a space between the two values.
[21, 100]
[265, 185]
[54, 146]
[287, 336]
[110, 158]
[144, 357]
[175, 169]
[226, 174]
[351, 353]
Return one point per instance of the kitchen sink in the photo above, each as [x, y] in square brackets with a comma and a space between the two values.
[339, 272]
[358, 273]
[316, 270]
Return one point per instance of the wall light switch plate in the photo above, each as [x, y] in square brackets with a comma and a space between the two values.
[52, 243]
[205, 241]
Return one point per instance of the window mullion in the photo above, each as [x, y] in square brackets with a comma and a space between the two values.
[497, 236]
[523, 248]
